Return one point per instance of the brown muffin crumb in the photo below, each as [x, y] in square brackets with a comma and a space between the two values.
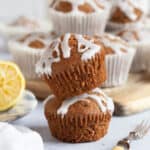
[86, 8]
[36, 44]
[64, 6]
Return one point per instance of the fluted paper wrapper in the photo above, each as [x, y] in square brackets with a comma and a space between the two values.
[142, 57]
[117, 68]
[77, 129]
[26, 58]
[94, 23]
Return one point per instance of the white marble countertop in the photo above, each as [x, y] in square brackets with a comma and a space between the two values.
[119, 128]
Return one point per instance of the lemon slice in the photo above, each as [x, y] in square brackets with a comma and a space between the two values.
[12, 85]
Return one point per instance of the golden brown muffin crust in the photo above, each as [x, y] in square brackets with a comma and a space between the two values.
[75, 55]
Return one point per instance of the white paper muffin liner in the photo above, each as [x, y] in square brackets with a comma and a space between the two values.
[117, 68]
[90, 24]
[141, 60]
[26, 58]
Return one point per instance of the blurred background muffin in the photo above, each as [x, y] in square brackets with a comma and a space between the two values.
[119, 57]
[125, 13]
[27, 49]
[21, 26]
[140, 40]
[79, 16]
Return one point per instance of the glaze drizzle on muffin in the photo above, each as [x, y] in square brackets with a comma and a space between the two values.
[104, 102]
[126, 11]
[85, 47]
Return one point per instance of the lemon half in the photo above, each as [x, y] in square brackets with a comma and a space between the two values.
[12, 84]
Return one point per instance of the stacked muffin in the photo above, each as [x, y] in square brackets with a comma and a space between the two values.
[74, 66]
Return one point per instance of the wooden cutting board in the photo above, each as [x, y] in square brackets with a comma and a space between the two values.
[131, 98]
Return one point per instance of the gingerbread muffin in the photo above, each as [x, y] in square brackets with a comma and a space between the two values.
[73, 64]
[83, 118]
[27, 49]
[80, 16]
[125, 13]
[119, 57]
[140, 39]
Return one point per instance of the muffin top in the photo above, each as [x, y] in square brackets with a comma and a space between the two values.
[92, 102]
[33, 41]
[23, 21]
[68, 50]
[126, 11]
[24, 25]
[134, 35]
[114, 44]
[79, 6]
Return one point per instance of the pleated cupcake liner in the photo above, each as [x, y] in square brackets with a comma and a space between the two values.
[79, 23]
[26, 58]
[78, 79]
[141, 58]
[117, 68]
[77, 129]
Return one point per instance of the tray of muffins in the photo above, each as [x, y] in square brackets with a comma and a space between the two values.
[93, 63]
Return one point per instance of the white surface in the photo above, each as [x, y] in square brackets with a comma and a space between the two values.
[14, 8]
[119, 128]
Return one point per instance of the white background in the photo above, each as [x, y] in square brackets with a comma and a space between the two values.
[14, 8]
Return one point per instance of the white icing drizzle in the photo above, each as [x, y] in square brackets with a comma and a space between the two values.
[45, 64]
[89, 51]
[77, 3]
[93, 95]
[115, 43]
[66, 50]
[127, 6]
[90, 48]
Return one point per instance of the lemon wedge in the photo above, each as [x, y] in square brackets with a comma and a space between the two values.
[12, 85]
